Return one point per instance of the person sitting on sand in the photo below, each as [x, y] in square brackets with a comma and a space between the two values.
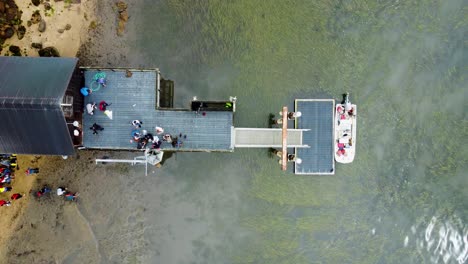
[5, 203]
[43, 191]
[5, 179]
[69, 196]
[5, 189]
[31, 171]
[61, 191]
[16, 196]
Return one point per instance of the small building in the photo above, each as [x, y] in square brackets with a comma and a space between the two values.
[32, 91]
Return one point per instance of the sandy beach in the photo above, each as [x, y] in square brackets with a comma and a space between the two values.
[49, 229]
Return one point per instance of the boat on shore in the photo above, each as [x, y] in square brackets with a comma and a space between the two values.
[345, 131]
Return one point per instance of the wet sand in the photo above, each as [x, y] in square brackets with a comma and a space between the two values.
[49, 229]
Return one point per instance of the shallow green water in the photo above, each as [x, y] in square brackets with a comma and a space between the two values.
[403, 200]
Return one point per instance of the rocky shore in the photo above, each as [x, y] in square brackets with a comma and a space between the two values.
[48, 28]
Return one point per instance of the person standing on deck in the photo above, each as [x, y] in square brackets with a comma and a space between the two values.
[103, 106]
[137, 123]
[85, 91]
[90, 108]
[294, 115]
[159, 130]
[95, 128]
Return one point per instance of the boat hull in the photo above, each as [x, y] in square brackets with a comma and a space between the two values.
[345, 134]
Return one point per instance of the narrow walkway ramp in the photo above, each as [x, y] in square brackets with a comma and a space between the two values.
[267, 138]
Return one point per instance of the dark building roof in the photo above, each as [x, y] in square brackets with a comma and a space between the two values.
[31, 90]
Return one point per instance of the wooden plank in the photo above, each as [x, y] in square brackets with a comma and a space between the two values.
[284, 158]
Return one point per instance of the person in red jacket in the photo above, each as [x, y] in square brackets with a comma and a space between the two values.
[5, 203]
[16, 196]
[103, 105]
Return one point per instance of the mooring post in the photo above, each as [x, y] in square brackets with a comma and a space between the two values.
[284, 157]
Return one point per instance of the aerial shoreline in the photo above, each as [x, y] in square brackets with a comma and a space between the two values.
[71, 28]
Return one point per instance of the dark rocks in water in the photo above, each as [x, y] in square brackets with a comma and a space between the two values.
[36, 2]
[123, 17]
[49, 52]
[15, 50]
[36, 17]
[29, 23]
[12, 14]
[60, 30]
[7, 32]
[36, 45]
[42, 26]
[47, 6]
[121, 6]
[21, 31]
[67, 27]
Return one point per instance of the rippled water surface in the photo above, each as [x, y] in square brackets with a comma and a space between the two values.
[404, 198]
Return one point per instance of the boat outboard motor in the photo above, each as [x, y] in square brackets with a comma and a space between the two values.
[346, 102]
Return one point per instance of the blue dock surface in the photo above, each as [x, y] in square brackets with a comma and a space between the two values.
[317, 115]
[133, 98]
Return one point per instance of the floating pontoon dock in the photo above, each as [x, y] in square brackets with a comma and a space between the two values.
[317, 115]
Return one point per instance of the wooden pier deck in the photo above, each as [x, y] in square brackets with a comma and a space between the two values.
[135, 98]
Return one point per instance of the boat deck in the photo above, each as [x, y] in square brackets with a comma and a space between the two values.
[317, 115]
[135, 98]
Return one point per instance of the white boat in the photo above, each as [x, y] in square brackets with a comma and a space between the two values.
[345, 131]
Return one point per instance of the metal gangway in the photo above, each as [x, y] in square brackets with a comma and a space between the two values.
[283, 138]
[267, 138]
[151, 157]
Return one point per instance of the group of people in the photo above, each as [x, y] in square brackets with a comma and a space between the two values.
[290, 157]
[99, 79]
[345, 140]
[290, 116]
[8, 165]
[144, 139]
[61, 191]
[90, 107]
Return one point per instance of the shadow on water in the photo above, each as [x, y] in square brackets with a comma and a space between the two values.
[402, 63]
